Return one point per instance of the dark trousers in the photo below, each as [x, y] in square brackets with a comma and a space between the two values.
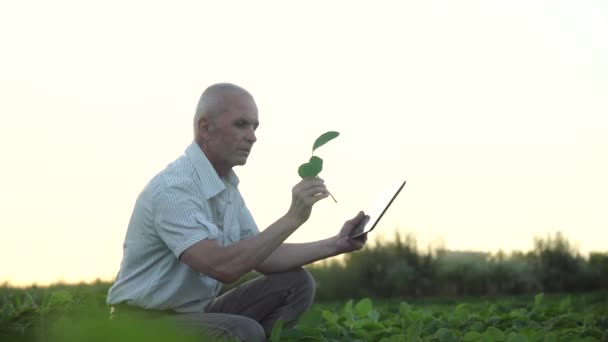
[249, 311]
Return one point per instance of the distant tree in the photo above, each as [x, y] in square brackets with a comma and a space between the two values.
[557, 263]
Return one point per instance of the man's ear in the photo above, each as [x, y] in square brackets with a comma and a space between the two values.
[202, 126]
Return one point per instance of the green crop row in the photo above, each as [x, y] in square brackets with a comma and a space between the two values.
[78, 313]
[501, 320]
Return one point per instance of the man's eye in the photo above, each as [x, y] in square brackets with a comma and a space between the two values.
[246, 124]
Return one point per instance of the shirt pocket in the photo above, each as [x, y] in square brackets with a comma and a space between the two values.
[233, 235]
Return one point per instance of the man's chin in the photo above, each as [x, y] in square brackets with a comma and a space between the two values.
[241, 162]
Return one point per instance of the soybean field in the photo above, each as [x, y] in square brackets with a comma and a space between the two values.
[79, 313]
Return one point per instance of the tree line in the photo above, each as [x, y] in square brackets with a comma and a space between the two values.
[398, 268]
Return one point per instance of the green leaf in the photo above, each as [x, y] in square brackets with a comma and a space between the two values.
[373, 315]
[413, 315]
[565, 304]
[311, 318]
[537, 300]
[329, 316]
[364, 306]
[513, 337]
[551, 337]
[472, 336]
[461, 309]
[476, 326]
[586, 339]
[59, 301]
[492, 309]
[29, 301]
[306, 170]
[275, 334]
[348, 311]
[324, 138]
[312, 168]
[362, 334]
[369, 325]
[8, 311]
[445, 335]
[495, 334]
[348, 306]
[413, 332]
[317, 164]
[305, 333]
[333, 331]
[398, 338]
[404, 308]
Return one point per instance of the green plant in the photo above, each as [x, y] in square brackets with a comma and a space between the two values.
[503, 319]
[79, 313]
[313, 167]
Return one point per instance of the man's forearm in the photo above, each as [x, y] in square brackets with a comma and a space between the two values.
[291, 255]
[247, 254]
[228, 264]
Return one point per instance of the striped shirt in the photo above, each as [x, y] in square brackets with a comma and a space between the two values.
[182, 205]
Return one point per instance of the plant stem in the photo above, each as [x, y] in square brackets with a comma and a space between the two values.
[332, 196]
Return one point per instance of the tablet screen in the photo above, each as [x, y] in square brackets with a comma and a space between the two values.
[378, 209]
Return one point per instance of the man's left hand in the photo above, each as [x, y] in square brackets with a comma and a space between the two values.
[344, 242]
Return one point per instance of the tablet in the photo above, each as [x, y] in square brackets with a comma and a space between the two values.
[375, 213]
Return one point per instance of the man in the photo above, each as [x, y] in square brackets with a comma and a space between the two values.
[191, 231]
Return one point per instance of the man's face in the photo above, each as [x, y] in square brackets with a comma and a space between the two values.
[228, 138]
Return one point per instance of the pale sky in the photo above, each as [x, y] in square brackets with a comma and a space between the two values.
[495, 112]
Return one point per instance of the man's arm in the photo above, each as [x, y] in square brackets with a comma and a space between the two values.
[228, 263]
[291, 255]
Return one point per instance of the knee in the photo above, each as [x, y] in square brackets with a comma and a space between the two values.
[248, 329]
[303, 286]
[304, 280]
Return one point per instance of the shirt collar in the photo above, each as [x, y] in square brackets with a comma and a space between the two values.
[212, 183]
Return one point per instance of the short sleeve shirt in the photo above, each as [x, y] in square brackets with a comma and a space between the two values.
[184, 204]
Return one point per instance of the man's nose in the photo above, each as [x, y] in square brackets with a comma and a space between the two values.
[251, 136]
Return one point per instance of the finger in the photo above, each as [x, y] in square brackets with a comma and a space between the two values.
[360, 240]
[355, 220]
[359, 226]
[313, 185]
[307, 185]
[311, 180]
[318, 197]
[315, 190]
[366, 219]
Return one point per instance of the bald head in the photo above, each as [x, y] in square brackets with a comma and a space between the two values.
[215, 100]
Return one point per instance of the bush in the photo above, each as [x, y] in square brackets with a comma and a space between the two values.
[398, 268]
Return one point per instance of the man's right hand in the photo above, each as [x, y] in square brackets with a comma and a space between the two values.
[304, 195]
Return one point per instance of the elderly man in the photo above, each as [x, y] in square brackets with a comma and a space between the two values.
[191, 231]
